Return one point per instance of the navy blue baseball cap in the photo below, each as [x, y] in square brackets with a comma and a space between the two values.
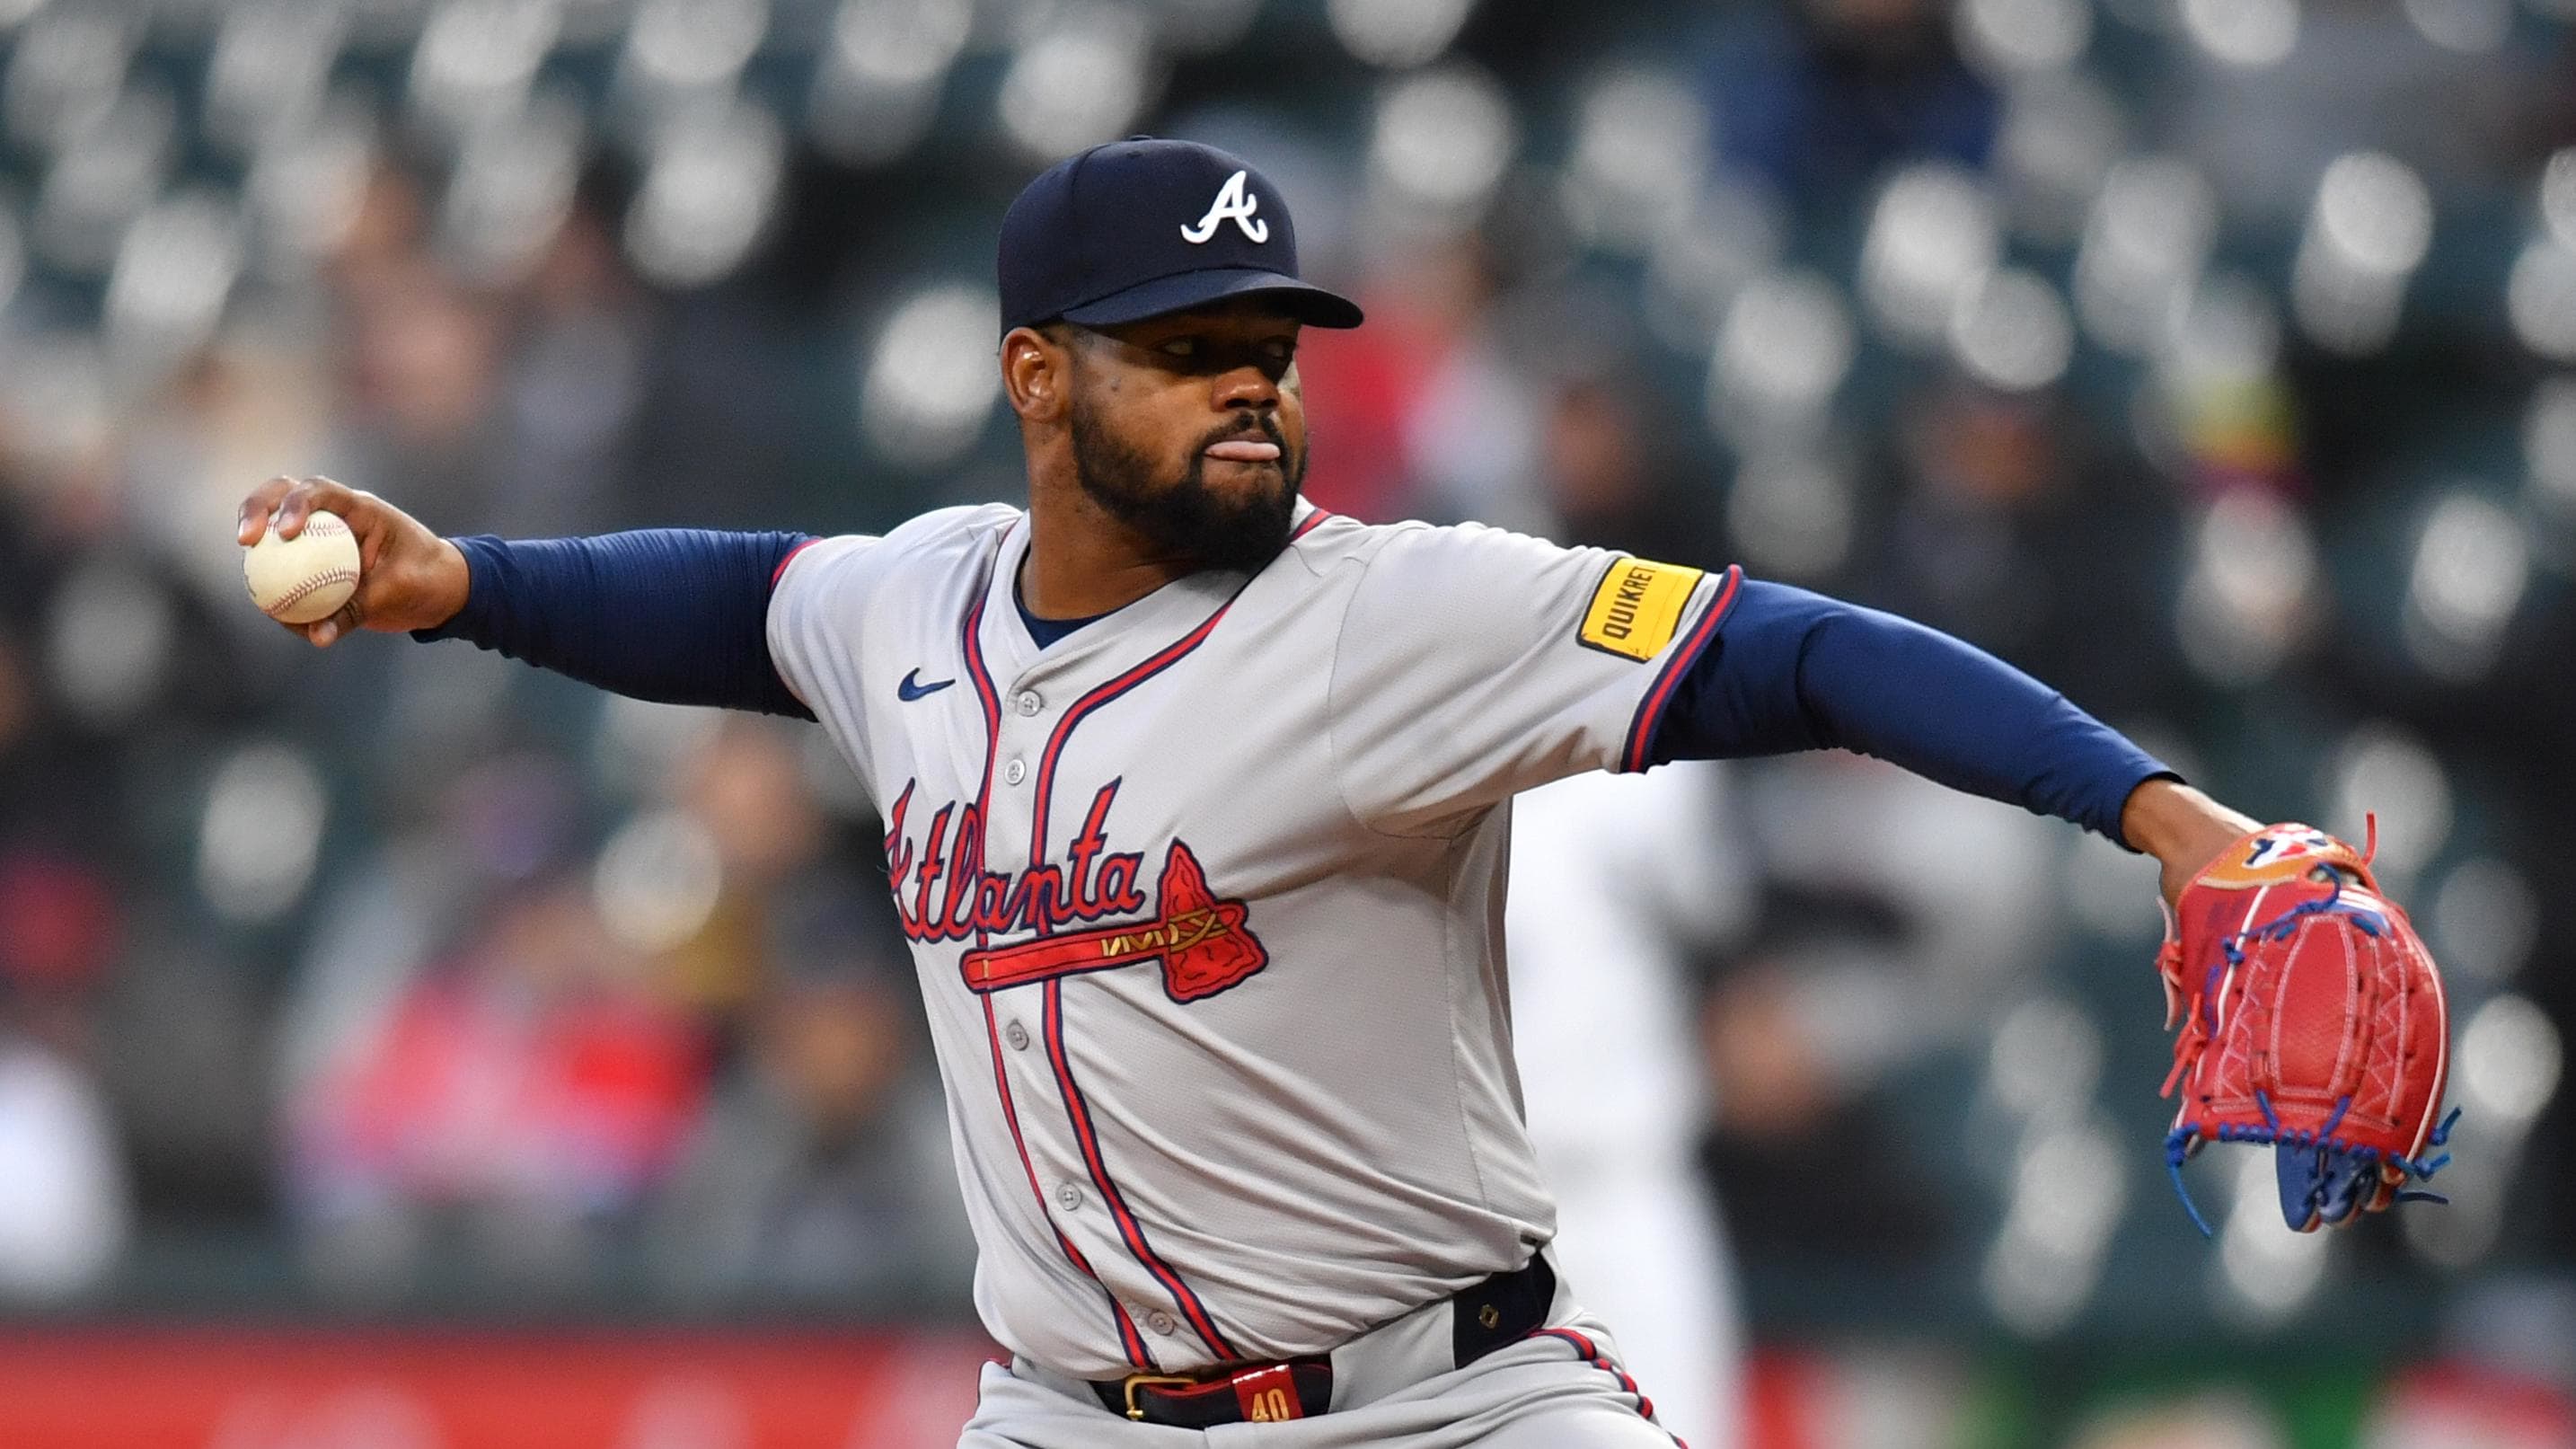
[1142, 227]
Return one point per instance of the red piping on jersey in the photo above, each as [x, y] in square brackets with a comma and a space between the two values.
[1170, 655]
[780, 572]
[1595, 1357]
[1079, 1111]
[1318, 516]
[1650, 710]
[1138, 1355]
[1128, 1228]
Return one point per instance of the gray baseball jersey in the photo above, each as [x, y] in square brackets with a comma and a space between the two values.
[1206, 902]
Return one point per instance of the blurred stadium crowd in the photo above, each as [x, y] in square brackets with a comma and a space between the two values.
[2212, 359]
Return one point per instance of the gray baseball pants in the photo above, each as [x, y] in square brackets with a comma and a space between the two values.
[1394, 1387]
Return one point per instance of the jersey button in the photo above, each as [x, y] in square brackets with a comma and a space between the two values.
[1027, 703]
[1160, 1322]
[1014, 772]
[1068, 1197]
[1017, 1035]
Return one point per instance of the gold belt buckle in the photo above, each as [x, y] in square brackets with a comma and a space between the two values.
[1133, 1382]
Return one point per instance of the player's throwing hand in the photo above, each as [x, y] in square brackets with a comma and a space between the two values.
[408, 577]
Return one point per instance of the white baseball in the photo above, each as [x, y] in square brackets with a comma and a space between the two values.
[304, 579]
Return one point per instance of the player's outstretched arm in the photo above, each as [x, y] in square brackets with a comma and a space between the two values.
[678, 616]
[408, 577]
[2354, 1106]
[1795, 670]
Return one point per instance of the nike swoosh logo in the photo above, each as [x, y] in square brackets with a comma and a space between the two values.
[912, 688]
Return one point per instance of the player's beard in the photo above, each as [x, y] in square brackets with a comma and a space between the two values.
[1218, 530]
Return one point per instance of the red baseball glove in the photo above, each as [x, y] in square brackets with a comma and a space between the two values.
[2312, 1020]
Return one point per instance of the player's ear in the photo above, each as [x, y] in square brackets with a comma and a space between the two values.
[1037, 373]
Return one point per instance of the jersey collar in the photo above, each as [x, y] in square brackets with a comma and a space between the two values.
[1117, 641]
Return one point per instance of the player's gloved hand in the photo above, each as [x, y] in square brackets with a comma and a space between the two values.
[2312, 1020]
[408, 577]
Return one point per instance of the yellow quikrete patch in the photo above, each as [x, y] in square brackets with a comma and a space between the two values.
[1637, 608]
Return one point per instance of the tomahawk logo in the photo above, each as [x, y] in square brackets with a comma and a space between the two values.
[1234, 204]
[1200, 940]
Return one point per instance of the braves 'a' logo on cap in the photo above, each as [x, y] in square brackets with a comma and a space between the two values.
[1233, 203]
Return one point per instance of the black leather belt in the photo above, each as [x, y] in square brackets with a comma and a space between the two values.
[1298, 1388]
[1482, 1317]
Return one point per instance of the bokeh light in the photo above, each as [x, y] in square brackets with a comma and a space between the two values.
[2045, 1060]
[261, 831]
[2509, 1059]
[102, 178]
[932, 376]
[2070, 1187]
[306, 190]
[692, 45]
[708, 195]
[2549, 445]
[270, 71]
[2541, 297]
[511, 189]
[2062, 135]
[2008, 37]
[476, 59]
[2369, 230]
[2485, 919]
[64, 73]
[2245, 604]
[173, 272]
[2472, 565]
[658, 880]
[2253, 34]
[2385, 770]
[2558, 195]
[2471, 27]
[1076, 84]
[1933, 238]
[879, 85]
[2149, 234]
[1637, 132]
[1439, 145]
[1793, 513]
[2011, 331]
[1397, 34]
[1785, 347]
[108, 642]
[1731, 236]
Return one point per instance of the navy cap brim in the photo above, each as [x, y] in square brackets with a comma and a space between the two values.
[1182, 291]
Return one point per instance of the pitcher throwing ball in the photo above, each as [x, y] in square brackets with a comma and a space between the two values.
[1196, 801]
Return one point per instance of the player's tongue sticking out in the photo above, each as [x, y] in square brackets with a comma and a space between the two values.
[1237, 528]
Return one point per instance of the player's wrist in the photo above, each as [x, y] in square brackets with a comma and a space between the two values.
[451, 584]
[2180, 826]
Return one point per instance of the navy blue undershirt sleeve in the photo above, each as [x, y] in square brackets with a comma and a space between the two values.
[1794, 670]
[676, 615]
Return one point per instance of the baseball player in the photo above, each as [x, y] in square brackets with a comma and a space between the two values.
[1196, 805]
